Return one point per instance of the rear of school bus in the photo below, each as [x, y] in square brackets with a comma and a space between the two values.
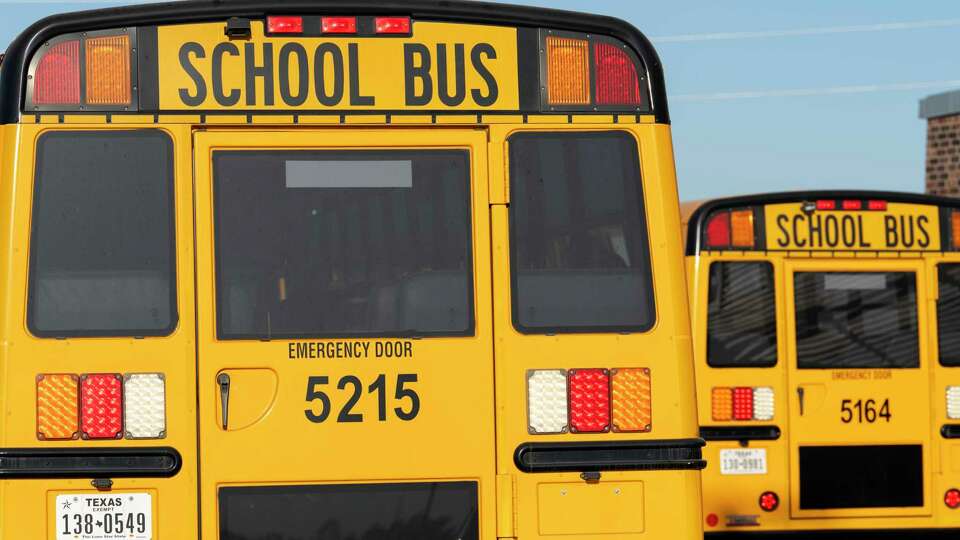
[826, 349]
[318, 269]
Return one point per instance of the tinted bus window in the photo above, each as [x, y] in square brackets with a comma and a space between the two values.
[102, 252]
[340, 243]
[741, 315]
[856, 320]
[578, 234]
[948, 313]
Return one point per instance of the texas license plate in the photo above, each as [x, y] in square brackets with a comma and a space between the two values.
[743, 461]
[113, 516]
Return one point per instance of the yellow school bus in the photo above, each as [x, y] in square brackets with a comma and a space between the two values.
[317, 269]
[826, 349]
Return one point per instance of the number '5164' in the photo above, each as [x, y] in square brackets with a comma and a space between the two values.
[405, 399]
[861, 411]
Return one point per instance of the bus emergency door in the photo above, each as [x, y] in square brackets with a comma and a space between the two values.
[345, 343]
[858, 383]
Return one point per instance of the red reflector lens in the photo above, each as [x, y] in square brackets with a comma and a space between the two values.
[769, 501]
[589, 391]
[877, 205]
[743, 403]
[617, 82]
[952, 498]
[285, 25]
[393, 25]
[718, 230]
[101, 406]
[57, 78]
[339, 25]
[852, 205]
[712, 520]
[826, 205]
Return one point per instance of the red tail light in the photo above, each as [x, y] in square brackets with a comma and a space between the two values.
[589, 391]
[392, 25]
[852, 205]
[826, 205]
[339, 25]
[617, 82]
[101, 406]
[58, 75]
[952, 498]
[285, 25]
[769, 501]
[877, 205]
[743, 403]
[718, 230]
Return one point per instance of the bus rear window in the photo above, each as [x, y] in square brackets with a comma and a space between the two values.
[579, 246]
[343, 243]
[948, 313]
[102, 253]
[856, 320]
[741, 315]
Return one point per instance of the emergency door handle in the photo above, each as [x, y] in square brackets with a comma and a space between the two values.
[223, 381]
[800, 395]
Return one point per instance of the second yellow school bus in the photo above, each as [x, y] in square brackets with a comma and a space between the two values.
[827, 350]
[341, 269]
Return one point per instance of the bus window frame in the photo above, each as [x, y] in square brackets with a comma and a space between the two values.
[938, 266]
[777, 322]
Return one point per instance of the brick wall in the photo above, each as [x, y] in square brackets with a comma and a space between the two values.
[943, 155]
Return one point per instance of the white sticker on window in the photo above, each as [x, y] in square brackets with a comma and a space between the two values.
[854, 282]
[349, 174]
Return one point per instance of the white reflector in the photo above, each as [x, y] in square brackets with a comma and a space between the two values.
[547, 401]
[953, 402]
[763, 403]
[145, 404]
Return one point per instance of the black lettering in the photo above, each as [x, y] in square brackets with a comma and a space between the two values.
[291, 350]
[200, 86]
[319, 62]
[353, 52]
[264, 71]
[816, 231]
[862, 241]
[848, 231]
[796, 236]
[784, 239]
[414, 70]
[366, 349]
[890, 229]
[906, 231]
[408, 349]
[922, 222]
[303, 74]
[231, 99]
[460, 85]
[831, 231]
[476, 58]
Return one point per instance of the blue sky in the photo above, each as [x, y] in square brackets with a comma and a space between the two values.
[826, 96]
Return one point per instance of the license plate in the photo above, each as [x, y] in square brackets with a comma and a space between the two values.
[114, 516]
[743, 461]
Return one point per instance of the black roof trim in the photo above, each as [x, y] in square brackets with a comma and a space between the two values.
[696, 220]
[14, 67]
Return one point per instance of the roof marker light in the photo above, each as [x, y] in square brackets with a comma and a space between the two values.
[826, 205]
[339, 25]
[284, 24]
[877, 205]
[392, 25]
[852, 205]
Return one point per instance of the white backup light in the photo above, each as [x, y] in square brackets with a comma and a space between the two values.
[763, 403]
[953, 402]
[547, 401]
[145, 403]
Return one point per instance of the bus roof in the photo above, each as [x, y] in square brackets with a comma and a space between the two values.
[14, 70]
[694, 213]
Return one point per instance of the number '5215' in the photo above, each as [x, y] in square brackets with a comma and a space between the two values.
[406, 399]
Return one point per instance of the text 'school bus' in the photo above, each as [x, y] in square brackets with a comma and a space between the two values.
[341, 269]
[827, 342]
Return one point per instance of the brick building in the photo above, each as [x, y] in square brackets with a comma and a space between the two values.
[942, 113]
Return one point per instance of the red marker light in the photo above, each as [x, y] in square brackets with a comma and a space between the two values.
[769, 501]
[826, 205]
[339, 25]
[285, 25]
[617, 81]
[392, 25]
[712, 520]
[852, 205]
[952, 498]
[718, 230]
[877, 205]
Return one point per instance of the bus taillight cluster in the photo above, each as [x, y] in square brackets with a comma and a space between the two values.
[92, 71]
[742, 403]
[591, 400]
[101, 406]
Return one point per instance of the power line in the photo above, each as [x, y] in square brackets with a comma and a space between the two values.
[821, 91]
[883, 27]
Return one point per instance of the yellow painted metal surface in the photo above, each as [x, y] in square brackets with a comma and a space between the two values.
[345, 73]
[578, 508]
[916, 395]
